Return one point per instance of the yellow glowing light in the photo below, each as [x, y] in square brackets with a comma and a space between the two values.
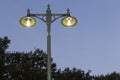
[27, 22]
[69, 21]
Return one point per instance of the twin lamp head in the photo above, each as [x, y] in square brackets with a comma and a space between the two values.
[28, 21]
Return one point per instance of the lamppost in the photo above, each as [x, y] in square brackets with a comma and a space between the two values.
[28, 22]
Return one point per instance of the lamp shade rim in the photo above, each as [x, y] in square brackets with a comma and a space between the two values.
[23, 22]
[73, 22]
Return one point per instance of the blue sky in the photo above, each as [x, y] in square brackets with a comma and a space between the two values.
[93, 44]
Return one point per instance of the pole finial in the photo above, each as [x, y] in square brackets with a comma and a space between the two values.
[28, 12]
[48, 6]
[68, 11]
[48, 9]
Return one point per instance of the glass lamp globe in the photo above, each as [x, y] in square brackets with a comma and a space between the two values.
[69, 21]
[27, 22]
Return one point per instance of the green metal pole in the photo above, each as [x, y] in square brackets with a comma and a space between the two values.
[48, 53]
[48, 22]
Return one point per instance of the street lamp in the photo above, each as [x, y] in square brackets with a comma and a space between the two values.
[28, 22]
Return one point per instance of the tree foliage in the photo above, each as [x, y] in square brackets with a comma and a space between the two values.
[72, 74]
[33, 66]
[3, 46]
[111, 76]
[27, 66]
